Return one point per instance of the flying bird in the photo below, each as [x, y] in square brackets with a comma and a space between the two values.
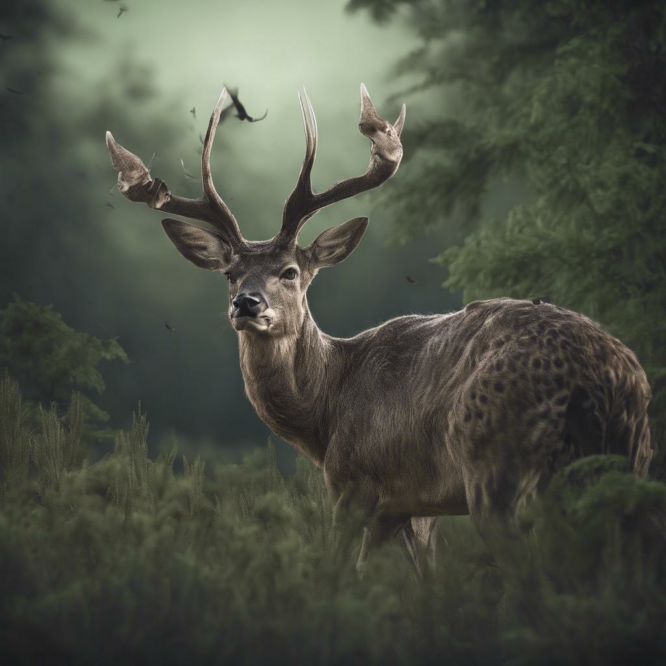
[187, 175]
[411, 280]
[109, 205]
[241, 113]
[123, 9]
[16, 92]
[169, 328]
[193, 111]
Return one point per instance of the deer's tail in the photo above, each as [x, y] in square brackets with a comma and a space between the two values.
[627, 431]
[623, 430]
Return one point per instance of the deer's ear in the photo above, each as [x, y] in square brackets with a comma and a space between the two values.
[204, 249]
[337, 243]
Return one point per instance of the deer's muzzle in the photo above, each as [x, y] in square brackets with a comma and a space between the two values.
[250, 309]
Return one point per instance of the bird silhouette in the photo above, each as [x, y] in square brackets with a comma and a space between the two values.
[411, 280]
[123, 9]
[169, 328]
[241, 113]
[193, 111]
[189, 176]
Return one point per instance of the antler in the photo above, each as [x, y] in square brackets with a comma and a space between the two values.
[135, 183]
[385, 156]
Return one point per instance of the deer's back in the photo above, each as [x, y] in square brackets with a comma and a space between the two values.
[551, 377]
[501, 384]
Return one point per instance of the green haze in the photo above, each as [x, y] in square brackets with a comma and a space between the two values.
[112, 272]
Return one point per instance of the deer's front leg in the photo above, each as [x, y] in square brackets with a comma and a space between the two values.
[354, 506]
[356, 510]
[379, 530]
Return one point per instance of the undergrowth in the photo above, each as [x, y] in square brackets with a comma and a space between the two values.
[122, 560]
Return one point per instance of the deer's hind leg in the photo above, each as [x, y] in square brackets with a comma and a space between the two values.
[496, 488]
[507, 438]
[493, 521]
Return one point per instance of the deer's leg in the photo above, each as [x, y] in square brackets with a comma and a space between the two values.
[491, 507]
[420, 543]
[425, 531]
[380, 529]
[413, 547]
[354, 508]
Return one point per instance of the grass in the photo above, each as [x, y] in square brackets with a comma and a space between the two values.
[124, 560]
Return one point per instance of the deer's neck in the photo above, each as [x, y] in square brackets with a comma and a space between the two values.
[286, 380]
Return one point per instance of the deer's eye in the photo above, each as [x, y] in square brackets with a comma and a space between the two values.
[290, 274]
[229, 277]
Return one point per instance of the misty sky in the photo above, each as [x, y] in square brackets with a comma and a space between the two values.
[111, 271]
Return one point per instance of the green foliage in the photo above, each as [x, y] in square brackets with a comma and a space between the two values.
[569, 99]
[14, 439]
[124, 560]
[50, 359]
[598, 558]
[57, 449]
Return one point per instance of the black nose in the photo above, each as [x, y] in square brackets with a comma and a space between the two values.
[247, 305]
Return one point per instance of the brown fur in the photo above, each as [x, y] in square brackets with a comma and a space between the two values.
[451, 414]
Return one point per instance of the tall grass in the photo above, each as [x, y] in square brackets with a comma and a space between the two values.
[123, 560]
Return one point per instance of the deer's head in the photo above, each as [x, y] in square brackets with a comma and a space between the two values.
[267, 279]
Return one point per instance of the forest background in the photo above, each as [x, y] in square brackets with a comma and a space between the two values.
[534, 162]
[533, 168]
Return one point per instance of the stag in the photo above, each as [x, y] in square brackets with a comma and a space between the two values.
[465, 413]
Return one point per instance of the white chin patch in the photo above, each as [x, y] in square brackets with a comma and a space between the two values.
[260, 323]
[256, 324]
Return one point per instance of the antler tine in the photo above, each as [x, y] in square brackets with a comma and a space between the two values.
[228, 221]
[135, 183]
[303, 191]
[385, 157]
[313, 128]
[399, 123]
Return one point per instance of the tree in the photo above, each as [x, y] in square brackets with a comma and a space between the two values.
[50, 360]
[569, 98]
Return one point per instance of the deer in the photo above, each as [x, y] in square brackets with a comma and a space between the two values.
[463, 413]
